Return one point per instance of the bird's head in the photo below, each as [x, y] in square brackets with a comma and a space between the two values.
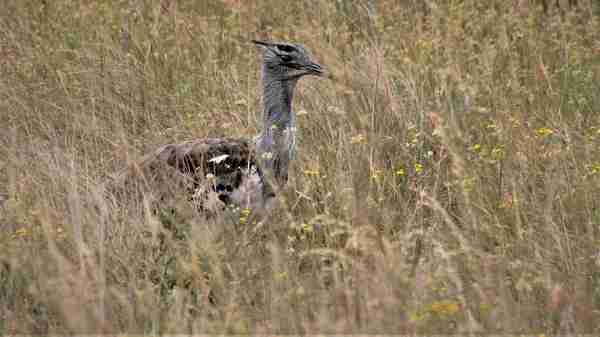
[289, 60]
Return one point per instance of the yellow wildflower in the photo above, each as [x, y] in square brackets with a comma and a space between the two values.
[375, 174]
[416, 316]
[358, 139]
[498, 152]
[418, 168]
[543, 132]
[468, 184]
[244, 213]
[595, 168]
[444, 308]
[306, 227]
[21, 232]
[311, 173]
[491, 126]
[515, 122]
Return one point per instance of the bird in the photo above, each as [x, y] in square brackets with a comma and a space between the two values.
[221, 172]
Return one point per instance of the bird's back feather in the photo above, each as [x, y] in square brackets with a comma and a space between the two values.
[214, 172]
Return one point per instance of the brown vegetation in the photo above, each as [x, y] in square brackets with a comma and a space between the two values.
[447, 177]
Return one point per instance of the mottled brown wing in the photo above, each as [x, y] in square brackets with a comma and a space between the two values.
[177, 171]
[174, 168]
[197, 158]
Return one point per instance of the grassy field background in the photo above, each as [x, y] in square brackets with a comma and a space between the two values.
[447, 179]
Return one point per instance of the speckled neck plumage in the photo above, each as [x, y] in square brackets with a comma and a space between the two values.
[276, 142]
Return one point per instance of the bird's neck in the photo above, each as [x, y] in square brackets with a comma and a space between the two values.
[276, 142]
[277, 99]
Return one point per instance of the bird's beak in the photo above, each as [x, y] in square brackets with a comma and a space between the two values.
[261, 43]
[315, 69]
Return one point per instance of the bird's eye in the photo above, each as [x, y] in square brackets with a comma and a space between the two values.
[285, 58]
[285, 48]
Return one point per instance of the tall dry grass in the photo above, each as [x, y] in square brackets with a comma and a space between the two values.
[447, 179]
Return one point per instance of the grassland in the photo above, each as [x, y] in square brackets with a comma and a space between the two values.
[447, 179]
